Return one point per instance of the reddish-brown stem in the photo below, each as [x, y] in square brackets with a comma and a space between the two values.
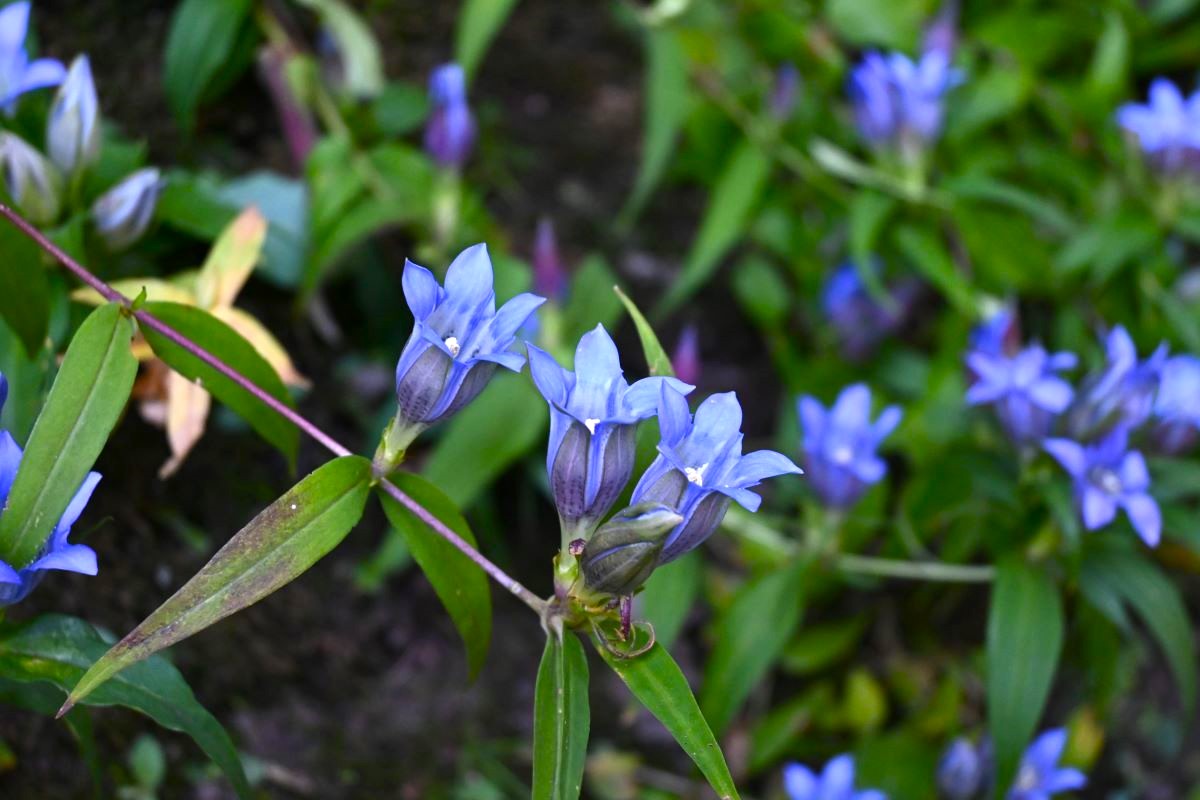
[291, 415]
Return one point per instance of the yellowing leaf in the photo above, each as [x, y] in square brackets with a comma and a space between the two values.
[231, 260]
[156, 289]
[264, 342]
[187, 411]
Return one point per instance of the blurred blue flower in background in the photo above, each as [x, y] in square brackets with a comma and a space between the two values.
[962, 770]
[1108, 475]
[450, 130]
[785, 91]
[549, 276]
[840, 444]
[836, 782]
[73, 128]
[58, 553]
[593, 416]
[1023, 388]
[34, 184]
[18, 74]
[860, 319]
[1123, 393]
[899, 102]
[685, 360]
[999, 334]
[1176, 411]
[1040, 777]
[700, 468]
[123, 213]
[458, 337]
[1167, 127]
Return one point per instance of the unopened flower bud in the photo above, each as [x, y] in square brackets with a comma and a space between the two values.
[73, 130]
[32, 182]
[785, 91]
[576, 460]
[961, 771]
[450, 131]
[549, 278]
[685, 361]
[123, 213]
[619, 558]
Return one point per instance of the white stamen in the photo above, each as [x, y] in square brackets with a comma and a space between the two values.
[695, 474]
[1109, 481]
[842, 455]
[1027, 778]
[591, 424]
[452, 345]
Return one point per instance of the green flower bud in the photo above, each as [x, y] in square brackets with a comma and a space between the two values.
[33, 183]
[620, 556]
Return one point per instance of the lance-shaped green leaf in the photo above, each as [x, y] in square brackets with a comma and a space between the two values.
[1024, 640]
[478, 23]
[84, 403]
[228, 345]
[561, 717]
[24, 288]
[751, 635]
[657, 360]
[283, 541]
[658, 684]
[201, 43]
[459, 582]
[58, 649]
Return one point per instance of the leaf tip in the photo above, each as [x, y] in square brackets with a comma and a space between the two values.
[66, 707]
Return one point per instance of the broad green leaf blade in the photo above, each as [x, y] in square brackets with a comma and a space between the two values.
[1157, 601]
[658, 684]
[666, 106]
[670, 594]
[561, 718]
[1024, 641]
[84, 404]
[459, 582]
[58, 649]
[657, 360]
[203, 36]
[750, 637]
[24, 288]
[478, 23]
[474, 450]
[225, 343]
[283, 541]
[731, 202]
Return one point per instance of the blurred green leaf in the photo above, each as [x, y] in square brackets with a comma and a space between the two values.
[1110, 62]
[928, 255]
[401, 108]
[59, 649]
[203, 36]
[657, 360]
[819, 646]
[670, 594]
[24, 288]
[147, 762]
[460, 583]
[591, 300]
[868, 214]
[277, 546]
[894, 24]
[986, 99]
[84, 404]
[478, 23]
[865, 706]
[1024, 641]
[561, 717]
[358, 52]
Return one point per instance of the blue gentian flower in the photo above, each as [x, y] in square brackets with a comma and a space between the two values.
[549, 276]
[700, 467]
[18, 74]
[785, 91]
[1026, 392]
[33, 183]
[685, 359]
[962, 770]
[1107, 476]
[458, 337]
[998, 334]
[73, 128]
[1177, 405]
[836, 782]
[1040, 777]
[859, 319]
[17, 582]
[593, 416]
[450, 130]
[1167, 128]
[899, 102]
[123, 214]
[1123, 394]
[839, 444]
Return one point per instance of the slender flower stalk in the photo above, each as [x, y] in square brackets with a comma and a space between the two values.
[302, 423]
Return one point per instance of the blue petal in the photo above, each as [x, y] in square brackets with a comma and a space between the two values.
[1064, 780]
[1133, 473]
[1045, 751]
[3, 390]
[507, 359]
[10, 461]
[1068, 453]
[755, 467]
[560, 423]
[643, 398]
[548, 376]
[69, 558]
[421, 290]
[469, 280]
[837, 779]
[852, 410]
[1050, 393]
[889, 418]
[42, 73]
[511, 316]
[1097, 507]
[717, 423]
[8, 574]
[1145, 516]
[743, 497]
[812, 421]
[77, 504]
[14, 25]
[674, 416]
[799, 782]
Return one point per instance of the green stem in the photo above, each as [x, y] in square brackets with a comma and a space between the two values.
[914, 570]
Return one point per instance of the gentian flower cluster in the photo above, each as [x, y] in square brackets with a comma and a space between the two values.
[450, 130]
[836, 782]
[860, 320]
[18, 74]
[840, 444]
[1123, 393]
[16, 582]
[1176, 413]
[1167, 127]
[1024, 389]
[898, 102]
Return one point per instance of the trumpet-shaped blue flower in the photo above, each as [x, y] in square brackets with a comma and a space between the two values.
[17, 582]
[123, 213]
[73, 128]
[18, 74]
[840, 444]
[836, 782]
[1107, 476]
[1167, 127]
[899, 102]
[1177, 405]
[860, 319]
[458, 337]
[1123, 394]
[962, 770]
[1040, 777]
[450, 130]
[700, 468]
[1026, 392]
[593, 415]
